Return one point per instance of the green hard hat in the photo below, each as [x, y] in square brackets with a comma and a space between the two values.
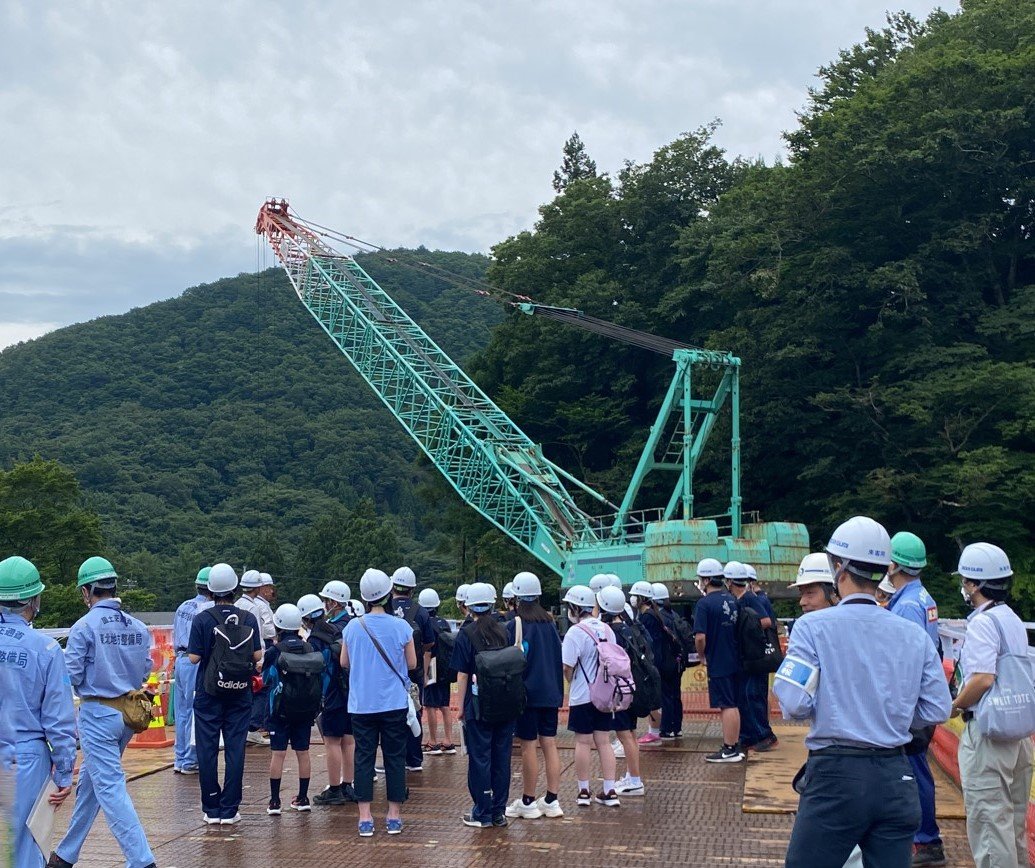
[95, 569]
[19, 579]
[202, 578]
[907, 550]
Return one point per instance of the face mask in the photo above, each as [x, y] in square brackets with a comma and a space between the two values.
[965, 595]
[634, 601]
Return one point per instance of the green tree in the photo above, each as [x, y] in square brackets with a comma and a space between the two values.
[42, 518]
[576, 164]
[367, 540]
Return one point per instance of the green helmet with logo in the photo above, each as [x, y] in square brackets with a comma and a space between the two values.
[908, 550]
[202, 578]
[96, 569]
[19, 580]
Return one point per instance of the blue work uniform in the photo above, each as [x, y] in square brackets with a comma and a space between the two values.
[863, 678]
[108, 654]
[185, 673]
[489, 745]
[422, 622]
[544, 678]
[753, 688]
[219, 716]
[37, 710]
[913, 603]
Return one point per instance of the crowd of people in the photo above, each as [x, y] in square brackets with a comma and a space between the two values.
[376, 676]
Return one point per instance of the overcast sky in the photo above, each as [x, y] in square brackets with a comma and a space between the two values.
[140, 138]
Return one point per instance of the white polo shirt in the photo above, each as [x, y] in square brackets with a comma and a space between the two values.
[981, 647]
[579, 651]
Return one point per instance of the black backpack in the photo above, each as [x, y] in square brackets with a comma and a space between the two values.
[409, 615]
[231, 665]
[501, 681]
[444, 656]
[759, 648]
[300, 693]
[330, 634]
[647, 694]
[685, 634]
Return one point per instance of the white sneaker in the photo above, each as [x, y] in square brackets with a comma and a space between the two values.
[232, 821]
[549, 809]
[618, 749]
[625, 787]
[211, 821]
[257, 738]
[518, 808]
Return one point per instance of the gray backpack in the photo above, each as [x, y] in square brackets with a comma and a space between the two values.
[1007, 711]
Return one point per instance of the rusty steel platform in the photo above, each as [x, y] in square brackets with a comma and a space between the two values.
[691, 815]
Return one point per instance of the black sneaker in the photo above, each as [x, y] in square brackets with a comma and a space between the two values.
[500, 821]
[929, 854]
[767, 744]
[468, 820]
[610, 798]
[348, 793]
[726, 754]
[330, 796]
[273, 809]
[301, 803]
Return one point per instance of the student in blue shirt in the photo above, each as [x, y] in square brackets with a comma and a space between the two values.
[752, 688]
[185, 673]
[283, 731]
[108, 656]
[715, 629]
[489, 745]
[37, 727]
[544, 691]
[378, 651]
[437, 694]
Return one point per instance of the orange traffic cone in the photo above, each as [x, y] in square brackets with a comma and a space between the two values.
[154, 735]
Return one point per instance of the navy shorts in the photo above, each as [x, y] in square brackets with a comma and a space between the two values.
[623, 721]
[297, 734]
[585, 719]
[334, 723]
[722, 691]
[436, 695]
[535, 722]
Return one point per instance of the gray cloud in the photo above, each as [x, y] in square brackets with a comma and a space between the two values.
[140, 139]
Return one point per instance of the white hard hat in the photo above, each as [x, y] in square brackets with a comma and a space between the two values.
[736, 572]
[752, 572]
[616, 582]
[643, 590]
[356, 608]
[860, 540]
[461, 593]
[374, 585]
[660, 591]
[885, 586]
[527, 585]
[428, 598]
[979, 562]
[222, 579]
[404, 577]
[599, 581]
[814, 569]
[709, 568]
[480, 594]
[581, 596]
[508, 591]
[267, 579]
[611, 600]
[337, 591]
[309, 605]
[251, 579]
[287, 617]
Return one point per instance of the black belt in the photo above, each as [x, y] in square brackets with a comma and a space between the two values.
[838, 750]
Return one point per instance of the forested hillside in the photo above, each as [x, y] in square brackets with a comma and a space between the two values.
[224, 423]
[880, 288]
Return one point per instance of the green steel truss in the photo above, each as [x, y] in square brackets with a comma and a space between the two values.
[489, 461]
